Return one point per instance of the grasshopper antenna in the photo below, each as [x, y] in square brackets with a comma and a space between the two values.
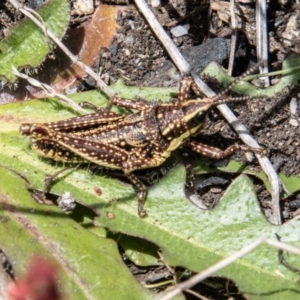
[231, 85]
[236, 99]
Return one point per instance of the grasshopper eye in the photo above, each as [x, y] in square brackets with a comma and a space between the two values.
[201, 117]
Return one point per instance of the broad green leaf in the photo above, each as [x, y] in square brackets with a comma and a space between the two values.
[90, 266]
[27, 45]
[188, 236]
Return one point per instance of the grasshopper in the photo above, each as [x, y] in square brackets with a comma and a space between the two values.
[137, 140]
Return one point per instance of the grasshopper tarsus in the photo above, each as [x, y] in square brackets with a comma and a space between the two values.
[142, 193]
[141, 199]
[136, 140]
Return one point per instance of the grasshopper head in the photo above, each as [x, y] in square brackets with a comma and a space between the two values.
[195, 113]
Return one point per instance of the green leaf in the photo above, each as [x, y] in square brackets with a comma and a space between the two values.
[291, 77]
[202, 166]
[188, 236]
[196, 239]
[27, 45]
[89, 265]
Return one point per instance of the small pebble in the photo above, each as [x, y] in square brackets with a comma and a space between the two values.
[129, 40]
[294, 122]
[155, 3]
[249, 156]
[66, 202]
[179, 31]
[293, 106]
[198, 202]
[83, 7]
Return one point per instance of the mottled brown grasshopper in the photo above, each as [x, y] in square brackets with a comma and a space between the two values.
[136, 140]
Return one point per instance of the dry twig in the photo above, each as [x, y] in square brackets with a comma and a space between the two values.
[49, 91]
[262, 37]
[233, 37]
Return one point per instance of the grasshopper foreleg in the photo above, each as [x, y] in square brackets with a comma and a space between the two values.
[217, 153]
[142, 193]
[133, 164]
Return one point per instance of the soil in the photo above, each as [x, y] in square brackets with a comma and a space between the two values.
[136, 55]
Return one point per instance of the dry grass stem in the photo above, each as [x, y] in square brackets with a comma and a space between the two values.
[233, 37]
[50, 92]
[262, 38]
